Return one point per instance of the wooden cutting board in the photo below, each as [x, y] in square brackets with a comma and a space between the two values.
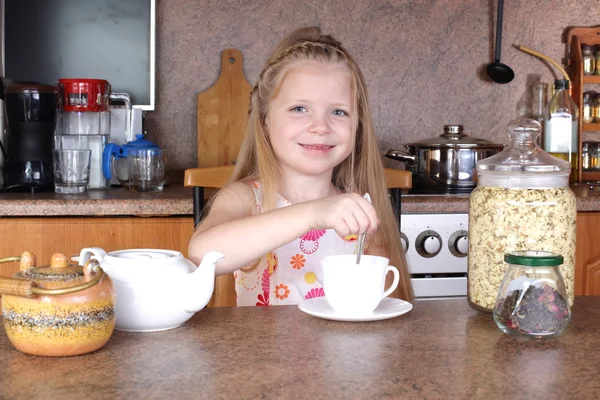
[223, 113]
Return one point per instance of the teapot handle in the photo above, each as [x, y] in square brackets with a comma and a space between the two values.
[86, 253]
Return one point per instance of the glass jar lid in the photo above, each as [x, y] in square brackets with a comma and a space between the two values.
[523, 155]
[533, 258]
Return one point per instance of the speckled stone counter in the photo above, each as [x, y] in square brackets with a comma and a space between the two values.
[174, 200]
[441, 349]
[177, 200]
[588, 199]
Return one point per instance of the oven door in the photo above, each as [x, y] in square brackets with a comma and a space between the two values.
[436, 251]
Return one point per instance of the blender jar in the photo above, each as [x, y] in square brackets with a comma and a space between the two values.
[522, 201]
[85, 120]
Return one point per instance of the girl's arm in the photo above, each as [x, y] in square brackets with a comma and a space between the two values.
[232, 228]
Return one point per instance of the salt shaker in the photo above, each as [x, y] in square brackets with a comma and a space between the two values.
[532, 300]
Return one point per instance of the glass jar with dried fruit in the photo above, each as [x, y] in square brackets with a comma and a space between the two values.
[522, 201]
[532, 300]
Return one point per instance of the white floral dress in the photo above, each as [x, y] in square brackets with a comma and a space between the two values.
[292, 272]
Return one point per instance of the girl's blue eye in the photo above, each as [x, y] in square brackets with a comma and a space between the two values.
[298, 109]
[339, 112]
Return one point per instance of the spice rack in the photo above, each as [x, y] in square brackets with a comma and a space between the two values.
[577, 36]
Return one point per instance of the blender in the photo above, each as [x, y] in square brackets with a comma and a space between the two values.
[85, 121]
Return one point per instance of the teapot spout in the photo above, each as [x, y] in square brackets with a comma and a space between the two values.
[201, 283]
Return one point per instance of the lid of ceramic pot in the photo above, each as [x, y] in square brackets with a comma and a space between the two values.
[59, 270]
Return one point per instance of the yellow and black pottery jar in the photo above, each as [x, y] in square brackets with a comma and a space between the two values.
[57, 310]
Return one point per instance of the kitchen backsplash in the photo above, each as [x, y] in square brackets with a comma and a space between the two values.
[424, 60]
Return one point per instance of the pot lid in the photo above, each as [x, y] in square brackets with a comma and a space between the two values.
[454, 136]
[59, 270]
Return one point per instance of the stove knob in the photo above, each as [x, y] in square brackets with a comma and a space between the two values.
[462, 245]
[432, 245]
[458, 244]
[404, 242]
[429, 244]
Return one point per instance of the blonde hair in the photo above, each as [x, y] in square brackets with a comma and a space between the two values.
[362, 172]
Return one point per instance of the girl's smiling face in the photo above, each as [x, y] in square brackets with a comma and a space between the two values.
[309, 121]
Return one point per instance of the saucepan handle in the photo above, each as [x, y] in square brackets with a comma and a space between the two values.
[400, 155]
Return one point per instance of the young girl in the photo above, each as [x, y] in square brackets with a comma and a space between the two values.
[296, 195]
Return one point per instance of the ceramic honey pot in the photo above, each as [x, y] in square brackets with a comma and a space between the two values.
[57, 310]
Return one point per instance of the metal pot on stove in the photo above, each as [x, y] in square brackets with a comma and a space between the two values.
[447, 161]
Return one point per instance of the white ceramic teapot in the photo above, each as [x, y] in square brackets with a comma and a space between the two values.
[156, 289]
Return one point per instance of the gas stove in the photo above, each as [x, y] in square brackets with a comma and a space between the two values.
[436, 248]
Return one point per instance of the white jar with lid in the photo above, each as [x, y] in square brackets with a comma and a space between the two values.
[522, 201]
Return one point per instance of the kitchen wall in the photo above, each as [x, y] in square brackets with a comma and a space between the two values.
[424, 60]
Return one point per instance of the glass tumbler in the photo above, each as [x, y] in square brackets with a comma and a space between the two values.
[532, 300]
[71, 170]
[146, 169]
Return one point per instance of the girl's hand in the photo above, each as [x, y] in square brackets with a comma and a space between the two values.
[347, 213]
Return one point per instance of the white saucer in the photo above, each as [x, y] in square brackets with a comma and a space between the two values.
[388, 308]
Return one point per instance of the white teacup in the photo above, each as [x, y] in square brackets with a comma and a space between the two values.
[356, 289]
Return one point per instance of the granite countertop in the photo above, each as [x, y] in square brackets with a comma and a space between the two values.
[174, 200]
[177, 200]
[588, 199]
[440, 349]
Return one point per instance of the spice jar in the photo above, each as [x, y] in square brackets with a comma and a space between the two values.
[585, 155]
[596, 107]
[589, 59]
[588, 107]
[597, 48]
[522, 201]
[532, 300]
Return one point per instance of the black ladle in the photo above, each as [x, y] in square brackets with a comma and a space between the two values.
[498, 72]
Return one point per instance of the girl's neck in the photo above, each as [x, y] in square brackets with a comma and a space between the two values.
[298, 188]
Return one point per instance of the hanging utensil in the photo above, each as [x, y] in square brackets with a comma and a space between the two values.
[498, 72]
[361, 238]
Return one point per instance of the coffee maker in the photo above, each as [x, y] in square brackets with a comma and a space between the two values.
[30, 121]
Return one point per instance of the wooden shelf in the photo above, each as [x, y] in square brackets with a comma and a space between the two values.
[576, 36]
[591, 79]
[591, 127]
[590, 176]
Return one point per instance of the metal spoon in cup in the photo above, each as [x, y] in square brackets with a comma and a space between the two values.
[361, 238]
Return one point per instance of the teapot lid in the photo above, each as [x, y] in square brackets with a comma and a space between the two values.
[141, 143]
[147, 254]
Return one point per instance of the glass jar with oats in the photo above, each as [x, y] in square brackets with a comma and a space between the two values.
[522, 201]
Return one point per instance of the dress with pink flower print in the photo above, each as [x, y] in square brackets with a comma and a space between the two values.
[292, 272]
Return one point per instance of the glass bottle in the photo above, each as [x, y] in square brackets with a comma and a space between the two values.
[532, 300]
[522, 201]
[561, 137]
[589, 59]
